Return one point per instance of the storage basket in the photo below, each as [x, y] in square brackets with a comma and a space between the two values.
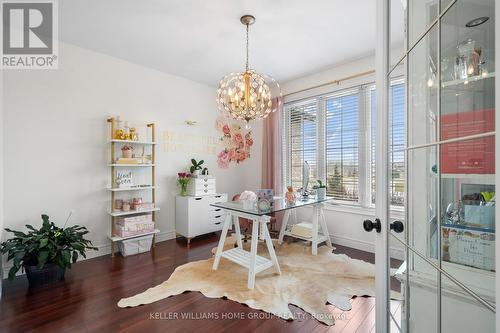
[137, 245]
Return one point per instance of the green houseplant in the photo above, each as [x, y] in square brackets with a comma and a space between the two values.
[45, 253]
[196, 166]
[320, 190]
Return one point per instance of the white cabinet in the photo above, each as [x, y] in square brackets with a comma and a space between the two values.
[194, 216]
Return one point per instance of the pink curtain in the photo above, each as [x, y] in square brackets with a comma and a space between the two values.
[272, 164]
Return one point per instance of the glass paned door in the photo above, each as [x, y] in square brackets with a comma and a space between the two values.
[443, 246]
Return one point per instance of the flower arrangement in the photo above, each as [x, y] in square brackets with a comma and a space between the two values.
[127, 151]
[237, 143]
[183, 180]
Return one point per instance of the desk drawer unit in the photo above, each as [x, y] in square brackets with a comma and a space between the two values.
[194, 216]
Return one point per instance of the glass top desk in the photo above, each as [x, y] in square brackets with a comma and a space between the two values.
[260, 217]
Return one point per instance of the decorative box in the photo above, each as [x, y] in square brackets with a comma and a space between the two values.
[128, 220]
[469, 246]
[201, 186]
[135, 229]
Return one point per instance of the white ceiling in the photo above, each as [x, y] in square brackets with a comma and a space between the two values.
[202, 40]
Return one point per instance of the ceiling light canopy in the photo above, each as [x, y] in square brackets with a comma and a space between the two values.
[248, 95]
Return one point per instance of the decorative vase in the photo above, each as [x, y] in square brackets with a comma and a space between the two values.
[321, 193]
[183, 190]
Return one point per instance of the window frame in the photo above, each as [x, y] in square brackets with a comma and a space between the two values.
[363, 88]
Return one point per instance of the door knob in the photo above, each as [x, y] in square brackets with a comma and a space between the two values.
[368, 225]
[397, 226]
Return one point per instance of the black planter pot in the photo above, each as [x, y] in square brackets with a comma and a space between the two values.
[49, 274]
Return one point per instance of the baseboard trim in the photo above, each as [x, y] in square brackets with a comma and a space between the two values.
[365, 246]
[104, 249]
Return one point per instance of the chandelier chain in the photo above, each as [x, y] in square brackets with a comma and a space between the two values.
[246, 66]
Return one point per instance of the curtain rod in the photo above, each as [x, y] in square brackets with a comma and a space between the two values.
[332, 82]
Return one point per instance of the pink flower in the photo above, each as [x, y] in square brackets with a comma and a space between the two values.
[223, 159]
[242, 155]
[232, 155]
[238, 138]
[241, 145]
[249, 142]
[225, 129]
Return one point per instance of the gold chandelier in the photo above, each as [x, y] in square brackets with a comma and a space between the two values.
[249, 95]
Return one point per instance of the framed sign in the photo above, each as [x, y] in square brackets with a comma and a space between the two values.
[124, 178]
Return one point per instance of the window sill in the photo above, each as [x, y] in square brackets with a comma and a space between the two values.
[360, 210]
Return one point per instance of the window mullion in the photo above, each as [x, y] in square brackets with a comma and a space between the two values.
[321, 139]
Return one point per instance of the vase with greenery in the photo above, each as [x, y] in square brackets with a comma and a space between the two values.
[45, 253]
[183, 180]
[320, 190]
[196, 167]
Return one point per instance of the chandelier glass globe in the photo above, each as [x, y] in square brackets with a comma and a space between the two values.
[248, 95]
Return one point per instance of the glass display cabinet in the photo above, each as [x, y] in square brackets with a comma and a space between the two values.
[448, 277]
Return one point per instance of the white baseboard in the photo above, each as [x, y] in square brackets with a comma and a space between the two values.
[365, 246]
[104, 249]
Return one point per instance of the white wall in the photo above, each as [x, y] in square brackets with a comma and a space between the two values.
[56, 149]
[344, 224]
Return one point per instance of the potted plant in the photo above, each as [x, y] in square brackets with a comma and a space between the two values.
[45, 253]
[127, 151]
[320, 190]
[196, 167]
[183, 180]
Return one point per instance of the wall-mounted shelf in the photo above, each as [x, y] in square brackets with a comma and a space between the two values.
[133, 212]
[452, 83]
[119, 165]
[133, 141]
[113, 165]
[485, 178]
[118, 239]
[133, 188]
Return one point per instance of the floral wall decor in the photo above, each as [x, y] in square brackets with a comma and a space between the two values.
[237, 143]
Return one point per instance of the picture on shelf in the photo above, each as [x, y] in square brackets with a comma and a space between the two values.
[124, 178]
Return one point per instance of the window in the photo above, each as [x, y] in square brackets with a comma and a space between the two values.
[302, 142]
[335, 133]
[342, 132]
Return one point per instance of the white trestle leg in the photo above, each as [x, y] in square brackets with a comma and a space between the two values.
[222, 241]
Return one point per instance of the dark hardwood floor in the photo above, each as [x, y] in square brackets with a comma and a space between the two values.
[86, 302]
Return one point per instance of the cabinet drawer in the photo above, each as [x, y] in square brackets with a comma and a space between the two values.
[217, 220]
[214, 211]
[200, 192]
[202, 181]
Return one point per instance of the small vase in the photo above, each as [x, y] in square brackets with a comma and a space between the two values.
[321, 193]
[183, 190]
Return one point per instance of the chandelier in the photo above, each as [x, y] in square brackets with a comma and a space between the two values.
[249, 95]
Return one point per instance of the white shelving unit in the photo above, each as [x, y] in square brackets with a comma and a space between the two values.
[118, 239]
[132, 141]
[132, 188]
[133, 212]
[120, 165]
[114, 190]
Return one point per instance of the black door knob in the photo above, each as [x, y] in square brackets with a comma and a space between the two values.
[368, 225]
[397, 226]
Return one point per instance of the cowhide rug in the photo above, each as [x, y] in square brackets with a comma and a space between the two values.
[306, 281]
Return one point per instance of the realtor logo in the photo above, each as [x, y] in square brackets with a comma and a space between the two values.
[29, 34]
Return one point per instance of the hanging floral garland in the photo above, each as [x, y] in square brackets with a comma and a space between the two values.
[236, 140]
